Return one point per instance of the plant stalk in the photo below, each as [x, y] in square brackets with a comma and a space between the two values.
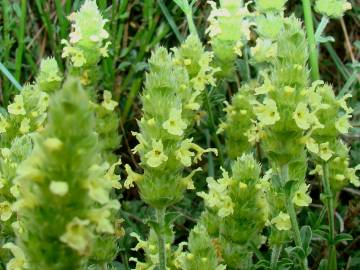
[313, 54]
[275, 255]
[160, 215]
[329, 200]
[292, 213]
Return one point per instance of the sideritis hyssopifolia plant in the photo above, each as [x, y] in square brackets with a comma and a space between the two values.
[175, 84]
[64, 201]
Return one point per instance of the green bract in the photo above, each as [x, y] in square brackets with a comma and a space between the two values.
[270, 5]
[332, 8]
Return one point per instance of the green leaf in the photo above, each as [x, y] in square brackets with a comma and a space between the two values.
[306, 236]
[342, 237]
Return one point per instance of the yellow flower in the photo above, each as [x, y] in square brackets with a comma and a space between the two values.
[267, 113]
[311, 144]
[77, 235]
[266, 87]
[141, 140]
[175, 125]
[19, 260]
[301, 198]
[351, 174]
[156, 156]
[17, 107]
[132, 177]
[5, 211]
[25, 126]
[302, 116]
[101, 218]
[59, 188]
[184, 154]
[342, 124]
[3, 124]
[255, 133]
[108, 103]
[282, 222]
[112, 177]
[325, 152]
[53, 144]
[238, 48]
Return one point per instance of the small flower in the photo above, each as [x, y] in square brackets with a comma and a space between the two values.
[184, 154]
[282, 222]
[302, 116]
[132, 177]
[53, 144]
[342, 124]
[108, 103]
[101, 218]
[156, 156]
[311, 144]
[59, 188]
[325, 152]
[17, 107]
[175, 125]
[255, 133]
[77, 236]
[5, 211]
[19, 262]
[238, 48]
[25, 126]
[351, 174]
[3, 124]
[267, 113]
[301, 198]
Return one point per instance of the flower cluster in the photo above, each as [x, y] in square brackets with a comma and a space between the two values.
[202, 254]
[87, 43]
[324, 143]
[63, 203]
[332, 8]
[163, 147]
[229, 31]
[239, 118]
[238, 209]
[151, 250]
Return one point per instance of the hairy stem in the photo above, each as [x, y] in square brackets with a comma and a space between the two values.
[160, 215]
[329, 200]
[309, 25]
[275, 255]
[292, 213]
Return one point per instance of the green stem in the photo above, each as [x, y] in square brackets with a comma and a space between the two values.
[103, 266]
[309, 25]
[275, 255]
[292, 213]
[160, 214]
[329, 199]
[191, 24]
